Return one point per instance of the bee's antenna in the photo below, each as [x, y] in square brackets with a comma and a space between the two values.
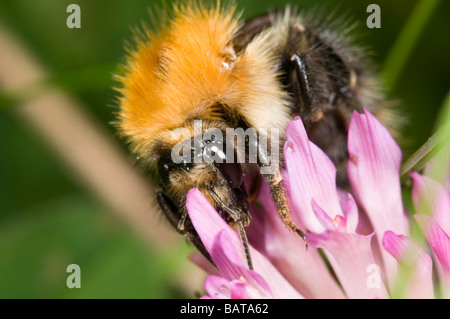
[240, 226]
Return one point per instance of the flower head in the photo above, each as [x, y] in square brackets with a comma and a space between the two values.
[364, 234]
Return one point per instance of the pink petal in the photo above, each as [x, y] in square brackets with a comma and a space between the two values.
[351, 257]
[322, 217]
[218, 287]
[231, 269]
[351, 214]
[221, 288]
[440, 244]
[431, 198]
[226, 249]
[203, 263]
[312, 175]
[441, 211]
[373, 170]
[438, 240]
[304, 268]
[416, 264]
[339, 222]
[357, 221]
[239, 290]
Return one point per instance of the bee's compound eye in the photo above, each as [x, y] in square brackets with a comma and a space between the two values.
[232, 172]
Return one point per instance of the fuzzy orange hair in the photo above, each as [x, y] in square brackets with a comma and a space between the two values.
[188, 68]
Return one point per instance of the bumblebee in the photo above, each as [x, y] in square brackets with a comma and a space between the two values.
[204, 63]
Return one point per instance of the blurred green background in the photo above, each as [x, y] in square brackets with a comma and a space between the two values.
[48, 220]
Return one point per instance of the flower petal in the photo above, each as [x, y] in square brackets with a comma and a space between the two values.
[440, 244]
[351, 257]
[438, 240]
[431, 198]
[374, 173]
[351, 214]
[226, 249]
[304, 268]
[228, 259]
[312, 175]
[357, 221]
[221, 288]
[218, 287]
[239, 290]
[203, 263]
[416, 266]
[322, 217]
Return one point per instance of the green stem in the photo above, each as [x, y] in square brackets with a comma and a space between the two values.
[437, 148]
[403, 47]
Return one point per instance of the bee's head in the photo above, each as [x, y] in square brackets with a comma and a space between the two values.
[209, 163]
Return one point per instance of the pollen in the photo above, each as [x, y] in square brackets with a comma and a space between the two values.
[354, 159]
[340, 223]
[290, 146]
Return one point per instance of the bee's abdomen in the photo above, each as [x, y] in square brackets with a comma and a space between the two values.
[324, 79]
[325, 75]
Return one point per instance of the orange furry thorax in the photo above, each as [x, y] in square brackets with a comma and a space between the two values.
[178, 74]
[190, 68]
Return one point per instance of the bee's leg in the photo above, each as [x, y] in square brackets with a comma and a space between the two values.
[172, 214]
[281, 202]
[240, 227]
[326, 126]
[182, 221]
[170, 210]
[300, 81]
[276, 187]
